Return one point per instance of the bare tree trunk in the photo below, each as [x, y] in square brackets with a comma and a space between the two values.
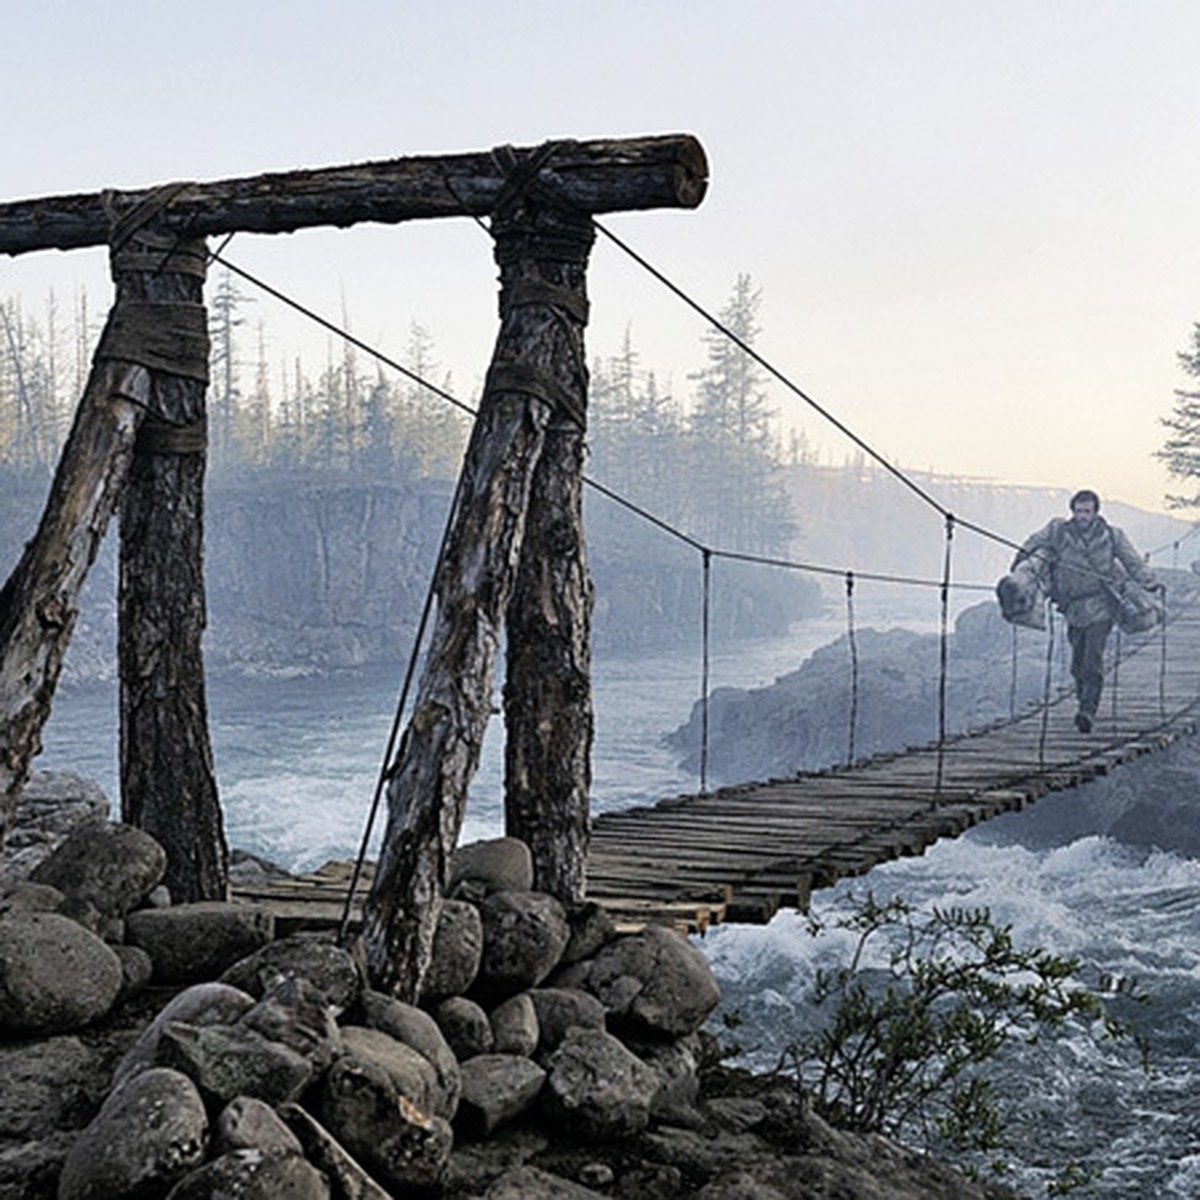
[548, 686]
[542, 253]
[168, 785]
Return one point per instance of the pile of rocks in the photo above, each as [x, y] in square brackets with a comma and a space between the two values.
[183, 1051]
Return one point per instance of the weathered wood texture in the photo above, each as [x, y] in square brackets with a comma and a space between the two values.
[542, 254]
[168, 785]
[610, 175]
[39, 603]
[548, 715]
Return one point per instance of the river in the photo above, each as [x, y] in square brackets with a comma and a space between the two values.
[297, 759]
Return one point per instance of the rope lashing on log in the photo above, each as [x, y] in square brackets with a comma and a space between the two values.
[531, 220]
[163, 336]
[540, 385]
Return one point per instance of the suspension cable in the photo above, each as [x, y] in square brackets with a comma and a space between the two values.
[704, 671]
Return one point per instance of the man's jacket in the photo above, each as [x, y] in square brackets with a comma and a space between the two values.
[1081, 571]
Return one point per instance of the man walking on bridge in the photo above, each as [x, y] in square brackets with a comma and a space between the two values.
[1083, 564]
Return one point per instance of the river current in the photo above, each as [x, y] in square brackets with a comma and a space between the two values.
[298, 758]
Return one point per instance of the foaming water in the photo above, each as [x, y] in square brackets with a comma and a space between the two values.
[1130, 917]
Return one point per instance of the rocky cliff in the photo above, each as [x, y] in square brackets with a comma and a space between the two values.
[328, 575]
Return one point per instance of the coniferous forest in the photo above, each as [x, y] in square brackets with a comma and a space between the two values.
[328, 487]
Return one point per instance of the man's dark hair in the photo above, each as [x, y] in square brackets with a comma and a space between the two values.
[1082, 497]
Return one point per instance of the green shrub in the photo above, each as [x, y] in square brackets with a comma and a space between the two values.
[906, 1045]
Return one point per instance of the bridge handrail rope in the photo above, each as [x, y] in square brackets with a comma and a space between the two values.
[943, 659]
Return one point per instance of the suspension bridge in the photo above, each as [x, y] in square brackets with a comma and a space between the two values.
[734, 854]
[739, 854]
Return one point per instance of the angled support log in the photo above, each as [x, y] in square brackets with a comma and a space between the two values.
[39, 603]
[610, 175]
[536, 375]
[155, 332]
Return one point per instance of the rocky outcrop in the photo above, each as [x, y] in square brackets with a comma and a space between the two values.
[570, 1064]
[801, 722]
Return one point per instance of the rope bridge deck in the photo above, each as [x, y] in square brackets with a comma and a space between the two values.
[741, 853]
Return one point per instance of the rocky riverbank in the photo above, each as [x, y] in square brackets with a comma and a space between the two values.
[153, 1050]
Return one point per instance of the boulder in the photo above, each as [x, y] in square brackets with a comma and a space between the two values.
[55, 976]
[417, 1029]
[496, 1088]
[200, 1004]
[562, 1009]
[596, 1089]
[23, 895]
[465, 1026]
[254, 1175]
[293, 1012]
[677, 1065]
[248, 1123]
[515, 1026]
[402, 1146]
[457, 952]
[192, 942]
[51, 1084]
[591, 927]
[103, 871]
[323, 963]
[49, 808]
[226, 1061]
[411, 1074]
[136, 969]
[501, 864]
[653, 982]
[524, 935]
[149, 1133]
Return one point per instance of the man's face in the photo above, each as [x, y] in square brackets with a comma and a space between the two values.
[1083, 512]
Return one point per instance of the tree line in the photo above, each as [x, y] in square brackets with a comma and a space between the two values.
[708, 463]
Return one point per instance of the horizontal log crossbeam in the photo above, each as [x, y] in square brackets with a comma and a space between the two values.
[601, 176]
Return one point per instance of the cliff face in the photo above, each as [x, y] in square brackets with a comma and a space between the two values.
[319, 577]
[306, 577]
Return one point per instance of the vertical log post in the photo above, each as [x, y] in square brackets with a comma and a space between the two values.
[548, 688]
[542, 252]
[168, 784]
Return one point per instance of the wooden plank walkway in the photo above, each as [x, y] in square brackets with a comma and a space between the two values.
[740, 854]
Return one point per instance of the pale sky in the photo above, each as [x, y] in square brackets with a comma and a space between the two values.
[975, 225]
